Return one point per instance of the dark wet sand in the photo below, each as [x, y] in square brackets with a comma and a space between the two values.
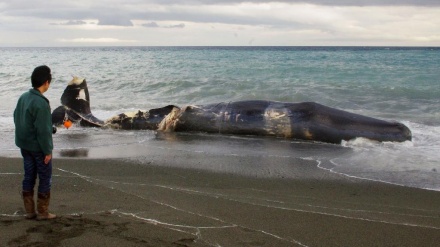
[122, 203]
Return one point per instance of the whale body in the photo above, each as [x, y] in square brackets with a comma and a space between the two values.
[304, 120]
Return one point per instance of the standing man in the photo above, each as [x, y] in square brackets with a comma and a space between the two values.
[33, 135]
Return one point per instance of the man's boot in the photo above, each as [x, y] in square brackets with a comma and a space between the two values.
[29, 204]
[43, 207]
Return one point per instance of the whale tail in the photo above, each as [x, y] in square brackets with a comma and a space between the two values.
[76, 105]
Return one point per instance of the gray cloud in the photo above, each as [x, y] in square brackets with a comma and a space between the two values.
[71, 23]
[283, 21]
[115, 21]
[150, 24]
[176, 26]
[200, 17]
[317, 2]
[121, 13]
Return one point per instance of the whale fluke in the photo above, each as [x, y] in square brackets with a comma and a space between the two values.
[75, 102]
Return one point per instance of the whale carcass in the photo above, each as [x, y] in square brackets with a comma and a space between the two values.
[305, 120]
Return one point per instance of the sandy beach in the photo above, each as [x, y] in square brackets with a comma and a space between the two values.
[118, 202]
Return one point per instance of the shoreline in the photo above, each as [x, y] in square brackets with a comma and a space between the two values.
[122, 202]
[276, 156]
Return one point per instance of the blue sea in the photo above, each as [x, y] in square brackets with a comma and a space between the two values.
[392, 83]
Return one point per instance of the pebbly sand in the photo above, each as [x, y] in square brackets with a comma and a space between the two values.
[117, 202]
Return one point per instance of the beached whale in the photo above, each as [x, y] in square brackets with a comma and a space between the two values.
[305, 120]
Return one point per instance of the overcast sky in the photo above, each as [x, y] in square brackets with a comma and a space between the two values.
[219, 23]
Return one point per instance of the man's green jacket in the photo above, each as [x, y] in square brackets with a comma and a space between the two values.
[33, 123]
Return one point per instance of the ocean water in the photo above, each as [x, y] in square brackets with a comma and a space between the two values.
[392, 83]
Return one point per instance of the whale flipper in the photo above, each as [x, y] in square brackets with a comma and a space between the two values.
[58, 115]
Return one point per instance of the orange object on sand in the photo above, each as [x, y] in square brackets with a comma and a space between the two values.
[67, 124]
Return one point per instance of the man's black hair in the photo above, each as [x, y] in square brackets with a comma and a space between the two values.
[40, 75]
